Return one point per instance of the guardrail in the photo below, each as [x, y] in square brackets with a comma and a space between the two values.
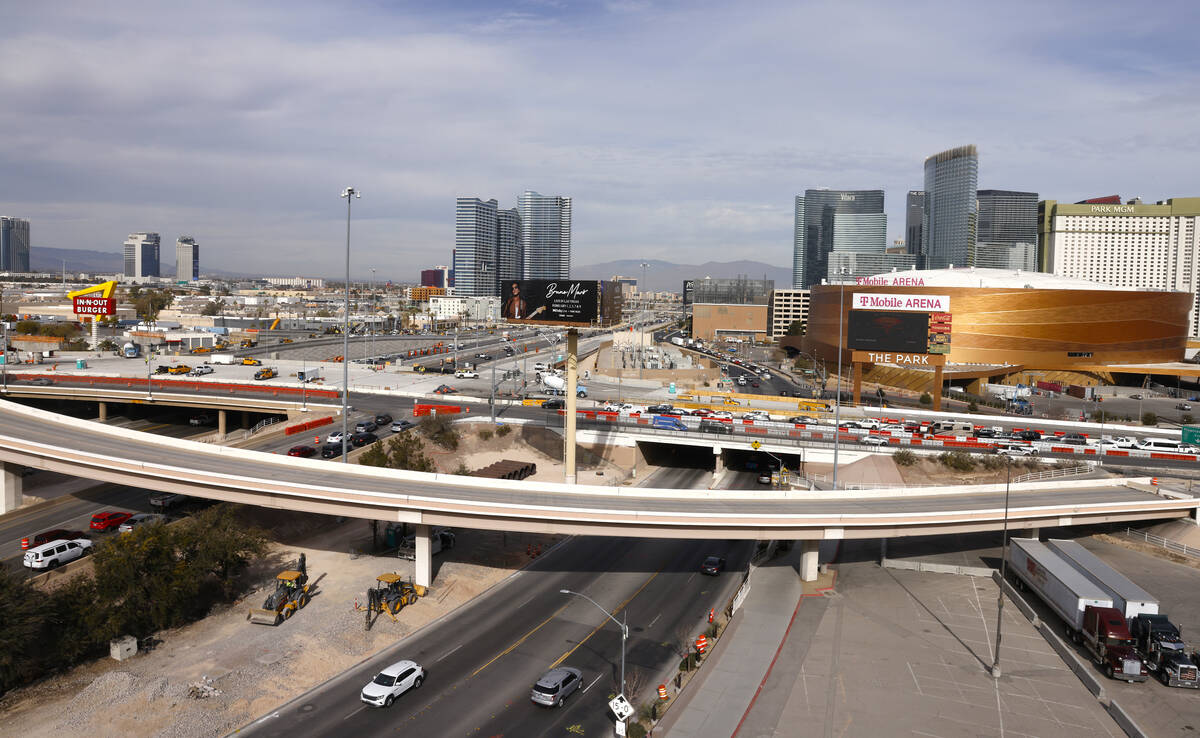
[1161, 542]
[263, 424]
[1071, 471]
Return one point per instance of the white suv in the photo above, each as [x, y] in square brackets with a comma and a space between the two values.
[392, 682]
[464, 374]
[56, 553]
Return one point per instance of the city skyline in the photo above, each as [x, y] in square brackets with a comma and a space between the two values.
[269, 125]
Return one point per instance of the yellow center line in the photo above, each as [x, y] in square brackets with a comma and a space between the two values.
[619, 608]
[525, 637]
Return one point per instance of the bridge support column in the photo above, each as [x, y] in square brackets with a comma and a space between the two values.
[245, 420]
[572, 384]
[423, 565]
[1034, 533]
[10, 487]
[856, 383]
[810, 552]
[936, 389]
[718, 462]
[221, 425]
[102, 411]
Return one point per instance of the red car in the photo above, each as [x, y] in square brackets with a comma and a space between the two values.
[58, 534]
[302, 451]
[109, 520]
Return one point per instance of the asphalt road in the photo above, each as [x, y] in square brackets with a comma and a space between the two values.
[482, 661]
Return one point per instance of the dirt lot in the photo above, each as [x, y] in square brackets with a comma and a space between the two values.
[253, 668]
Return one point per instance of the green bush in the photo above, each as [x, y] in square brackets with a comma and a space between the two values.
[503, 430]
[485, 434]
[440, 429]
[957, 460]
[1149, 419]
[972, 408]
[904, 457]
[1187, 419]
[635, 730]
[926, 399]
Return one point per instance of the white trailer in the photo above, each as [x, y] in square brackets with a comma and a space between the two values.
[1126, 596]
[1056, 582]
[223, 359]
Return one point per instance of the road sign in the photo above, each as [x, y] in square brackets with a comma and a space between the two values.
[755, 445]
[621, 707]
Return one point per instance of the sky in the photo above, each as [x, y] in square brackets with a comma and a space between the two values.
[682, 130]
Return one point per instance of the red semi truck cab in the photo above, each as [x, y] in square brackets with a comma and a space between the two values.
[1106, 636]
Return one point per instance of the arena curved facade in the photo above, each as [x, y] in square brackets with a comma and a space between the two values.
[1032, 320]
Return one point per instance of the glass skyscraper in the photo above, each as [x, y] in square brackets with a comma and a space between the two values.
[1007, 217]
[487, 247]
[546, 235]
[141, 255]
[187, 259]
[14, 245]
[948, 228]
[914, 212]
[814, 236]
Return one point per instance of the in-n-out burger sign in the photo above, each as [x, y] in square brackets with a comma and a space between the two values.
[910, 303]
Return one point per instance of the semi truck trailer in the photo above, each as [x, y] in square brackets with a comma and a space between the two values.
[1126, 596]
[1084, 607]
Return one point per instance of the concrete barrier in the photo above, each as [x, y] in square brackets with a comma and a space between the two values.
[929, 566]
[1123, 719]
[1085, 671]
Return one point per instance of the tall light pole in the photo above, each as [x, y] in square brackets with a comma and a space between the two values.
[1003, 567]
[350, 194]
[837, 403]
[645, 302]
[372, 312]
[623, 626]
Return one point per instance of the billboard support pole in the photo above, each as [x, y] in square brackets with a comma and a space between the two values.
[937, 388]
[572, 382]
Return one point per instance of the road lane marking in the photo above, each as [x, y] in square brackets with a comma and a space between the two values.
[448, 653]
[618, 609]
[655, 620]
[523, 638]
[585, 689]
[355, 712]
[527, 601]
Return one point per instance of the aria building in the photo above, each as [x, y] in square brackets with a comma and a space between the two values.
[187, 259]
[487, 246]
[141, 255]
[1006, 237]
[545, 235]
[14, 244]
[948, 227]
[834, 220]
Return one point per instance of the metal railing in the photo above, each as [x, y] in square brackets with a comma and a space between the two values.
[1070, 471]
[1161, 542]
[263, 424]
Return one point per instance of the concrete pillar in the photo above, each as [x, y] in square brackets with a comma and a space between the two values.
[718, 462]
[809, 558]
[1034, 533]
[245, 420]
[883, 550]
[975, 386]
[102, 411]
[10, 487]
[423, 574]
[937, 388]
[221, 425]
[572, 383]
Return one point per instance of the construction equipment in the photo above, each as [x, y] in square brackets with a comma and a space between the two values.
[390, 595]
[292, 592]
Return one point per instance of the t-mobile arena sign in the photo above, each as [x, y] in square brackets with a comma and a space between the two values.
[910, 303]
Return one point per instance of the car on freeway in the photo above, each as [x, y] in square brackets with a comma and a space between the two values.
[41, 381]
[701, 412]
[365, 426]
[108, 520]
[754, 385]
[358, 440]
[200, 371]
[555, 686]
[141, 519]
[392, 682]
[382, 419]
[58, 534]
[713, 565]
[874, 440]
[201, 419]
[1126, 442]
[756, 415]
[466, 374]
[483, 357]
[400, 426]
[722, 415]
[1183, 406]
[334, 437]
[554, 404]
[302, 451]
[167, 500]
[712, 425]
[1016, 450]
[765, 477]
[1026, 435]
[1074, 439]
[56, 553]
[661, 408]
[1135, 397]
[331, 450]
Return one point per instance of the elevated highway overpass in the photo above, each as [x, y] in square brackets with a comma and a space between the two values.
[46, 440]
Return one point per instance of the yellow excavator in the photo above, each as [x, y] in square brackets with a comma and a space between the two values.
[390, 595]
[292, 592]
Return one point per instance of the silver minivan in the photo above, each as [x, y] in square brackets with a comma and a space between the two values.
[556, 685]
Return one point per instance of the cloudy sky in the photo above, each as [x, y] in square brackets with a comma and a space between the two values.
[681, 129]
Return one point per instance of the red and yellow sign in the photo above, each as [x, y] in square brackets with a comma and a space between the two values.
[95, 300]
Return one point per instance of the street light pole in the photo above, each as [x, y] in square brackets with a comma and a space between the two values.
[837, 406]
[623, 626]
[641, 318]
[350, 194]
[1003, 568]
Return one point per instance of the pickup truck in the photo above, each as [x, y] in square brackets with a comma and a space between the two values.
[266, 373]
[440, 539]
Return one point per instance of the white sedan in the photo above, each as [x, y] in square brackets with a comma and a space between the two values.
[874, 440]
[392, 682]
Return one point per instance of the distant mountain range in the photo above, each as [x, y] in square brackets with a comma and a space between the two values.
[660, 275]
[667, 276]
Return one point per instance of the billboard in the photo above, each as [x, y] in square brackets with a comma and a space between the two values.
[94, 305]
[881, 330]
[550, 301]
[689, 291]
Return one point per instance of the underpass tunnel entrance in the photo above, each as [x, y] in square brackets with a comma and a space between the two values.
[757, 461]
[677, 456]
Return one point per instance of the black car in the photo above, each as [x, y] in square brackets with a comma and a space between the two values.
[1074, 439]
[331, 450]
[985, 433]
[554, 404]
[162, 369]
[508, 351]
[661, 408]
[712, 566]
[358, 440]
[712, 425]
[1026, 435]
[382, 419]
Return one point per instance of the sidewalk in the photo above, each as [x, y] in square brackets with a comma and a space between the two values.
[715, 701]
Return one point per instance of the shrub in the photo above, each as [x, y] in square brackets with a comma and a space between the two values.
[926, 399]
[972, 408]
[485, 434]
[905, 457]
[635, 730]
[957, 460]
[1149, 419]
[503, 430]
[1187, 419]
[440, 429]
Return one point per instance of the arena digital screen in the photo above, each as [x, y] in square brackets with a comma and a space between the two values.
[881, 330]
